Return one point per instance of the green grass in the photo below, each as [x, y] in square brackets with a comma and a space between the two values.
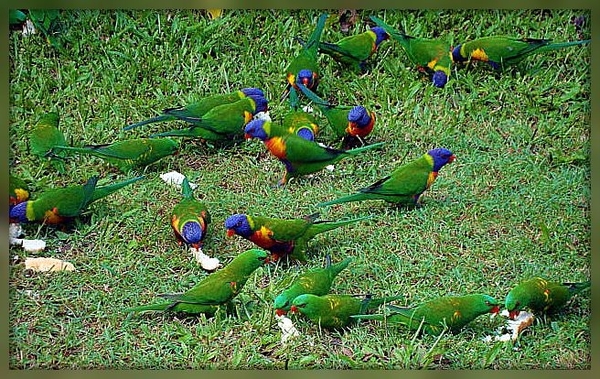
[515, 204]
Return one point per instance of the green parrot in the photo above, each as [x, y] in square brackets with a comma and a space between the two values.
[317, 282]
[127, 154]
[429, 55]
[405, 184]
[190, 218]
[44, 136]
[500, 51]
[193, 112]
[335, 311]
[347, 122]
[222, 123]
[541, 295]
[301, 123]
[433, 316]
[218, 288]
[282, 237]
[355, 50]
[16, 17]
[299, 156]
[18, 190]
[59, 205]
[304, 68]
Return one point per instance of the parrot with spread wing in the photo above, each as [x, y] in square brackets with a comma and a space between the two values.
[59, 205]
[334, 311]
[299, 156]
[429, 55]
[44, 136]
[405, 184]
[218, 288]
[541, 295]
[222, 123]
[434, 316]
[304, 68]
[190, 218]
[301, 123]
[282, 237]
[355, 50]
[317, 282]
[501, 51]
[126, 154]
[347, 122]
[18, 190]
[193, 112]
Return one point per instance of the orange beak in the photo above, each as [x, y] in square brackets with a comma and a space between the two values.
[230, 232]
[513, 314]
[294, 309]
[452, 159]
[280, 312]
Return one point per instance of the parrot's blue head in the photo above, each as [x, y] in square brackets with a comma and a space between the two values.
[260, 103]
[440, 157]
[380, 34]
[238, 224]
[439, 79]
[256, 129]
[306, 133]
[306, 77]
[192, 233]
[18, 213]
[252, 91]
[359, 115]
[457, 57]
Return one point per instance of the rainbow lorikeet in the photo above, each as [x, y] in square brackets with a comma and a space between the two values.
[222, 123]
[541, 295]
[127, 154]
[193, 112]
[44, 136]
[218, 288]
[190, 218]
[18, 190]
[59, 205]
[347, 122]
[304, 68]
[334, 311]
[355, 50]
[301, 123]
[282, 237]
[406, 183]
[500, 51]
[317, 282]
[429, 55]
[299, 156]
[433, 316]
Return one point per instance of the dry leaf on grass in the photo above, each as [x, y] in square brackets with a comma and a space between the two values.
[48, 264]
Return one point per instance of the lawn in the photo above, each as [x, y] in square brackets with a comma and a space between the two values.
[515, 203]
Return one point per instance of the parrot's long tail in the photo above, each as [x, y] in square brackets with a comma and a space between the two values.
[560, 45]
[186, 189]
[338, 267]
[323, 104]
[345, 199]
[578, 287]
[313, 41]
[103, 191]
[362, 149]
[324, 226]
[151, 307]
[152, 120]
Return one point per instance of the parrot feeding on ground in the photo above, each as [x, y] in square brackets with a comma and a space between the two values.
[453, 312]
[317, 282]
[58, 205]
[429, 55]
[301, 123]
[193, 112]
[334, 311]
[299, 156]
[541, 295]
[218, 288]
[304, 68]
[190, 218]
[282, 237]
[222, 123]
[18, 190]
[406, 183]
[500, 51]
[126, 154]
[356, 49]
